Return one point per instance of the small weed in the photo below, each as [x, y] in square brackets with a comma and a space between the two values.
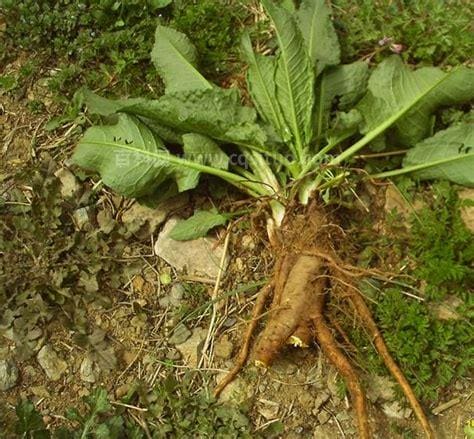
[172, 410]
[440, 251]
[430, 31]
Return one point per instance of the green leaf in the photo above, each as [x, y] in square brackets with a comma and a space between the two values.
[30, 422]
[200, 149]
[158, 4]
[449, 155]
[175, 59]
[105, 107]
[216, 113]
[294, 77]
[393, 86]
[126, 155]
[261, 86]
[197, 226]
[134, 162]
[314, 20]
[347, 82]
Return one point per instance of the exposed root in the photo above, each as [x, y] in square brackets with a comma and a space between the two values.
[339, 360]
[244, 350]
[295, 301]
[307, 265]
[366, 316]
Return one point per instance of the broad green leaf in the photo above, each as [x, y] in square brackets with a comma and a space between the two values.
[261, 85]
[175, 59]
[347, 82]
[344, 125]
[215, 113]
[197, 226]
[126, 155]
[393, 86]
[449, 155]
[314, 19]
[134, 162]
[294, 77]
[200, 149]
[105, 107]
[158, 4]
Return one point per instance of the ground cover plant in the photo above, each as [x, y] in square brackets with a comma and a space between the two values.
[311, 115]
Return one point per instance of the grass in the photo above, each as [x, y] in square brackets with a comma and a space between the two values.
[435, 32]
[438, 252]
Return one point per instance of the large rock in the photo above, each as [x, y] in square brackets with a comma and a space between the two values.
[50, 362]
[199, 257]
[8, 374]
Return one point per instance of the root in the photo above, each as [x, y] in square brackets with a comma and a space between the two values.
[366, 316]
[244, 350]
[295, 301]
[339, 360]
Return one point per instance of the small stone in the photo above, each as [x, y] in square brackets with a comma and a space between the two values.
[40, 391]
[82, 218]
[467, 212]
[69, 184]
[128, 357]
[395, 410]
[236, 392]
[446, 310]
[199, 257]
[268, 409]
[323, 417]
[8, 374]
[380, 387]
[138, 216]
[190, 349]
[177, 293]
[321, 398]
[52, 365]
[122, 390]
[223, 348]
[248, 242]
[105, 221]
[179, 335]
[86, 371]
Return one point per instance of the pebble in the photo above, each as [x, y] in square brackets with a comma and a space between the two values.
[223, 348]
[8, 374]
[179, 335]
[50, 362]
[323, 417]
[86, 371]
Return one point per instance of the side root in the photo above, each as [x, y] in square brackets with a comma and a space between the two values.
[244, 350]
[335, 355]
[366, 316]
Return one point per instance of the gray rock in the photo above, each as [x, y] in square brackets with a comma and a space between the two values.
[199, 257]
[174, 298]
[179, 335]
[86, 371]
[321, 398]
[69, 184]
[138, 216]
[323, 417]
[190, 350]
[8, 374]
[380, 388]
[236, 392]
[395, 410]
[467, 212]
[223, 348]
[50, 362]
